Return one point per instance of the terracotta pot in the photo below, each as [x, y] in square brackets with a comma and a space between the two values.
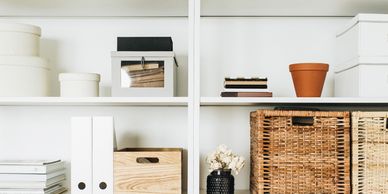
[309, 78]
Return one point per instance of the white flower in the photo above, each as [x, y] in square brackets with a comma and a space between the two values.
[211, 157]
[227, 159]
[237, 164]
[215, 166]
[224, 158]
[222, 148]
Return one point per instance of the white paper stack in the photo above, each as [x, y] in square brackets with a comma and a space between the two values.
[32, 177]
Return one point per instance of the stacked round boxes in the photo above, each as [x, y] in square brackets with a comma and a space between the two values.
[23, 72]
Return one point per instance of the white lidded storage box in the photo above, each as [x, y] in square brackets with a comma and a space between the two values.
[19, 39]
[362, 57]
[79, 84]
[23, 76]
[362, 80]
[364, 40]
[143, 74]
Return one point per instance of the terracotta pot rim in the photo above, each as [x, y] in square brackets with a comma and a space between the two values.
[309, 67]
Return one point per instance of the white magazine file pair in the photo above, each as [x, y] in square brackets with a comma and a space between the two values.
[92, 155]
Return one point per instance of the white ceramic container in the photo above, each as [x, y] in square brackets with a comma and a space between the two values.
[79, 84]
[23, 76]
[19, 39]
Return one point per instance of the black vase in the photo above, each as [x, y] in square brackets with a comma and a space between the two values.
[220, 182]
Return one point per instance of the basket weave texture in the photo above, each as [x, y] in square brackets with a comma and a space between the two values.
[288, 156]
[370, 152]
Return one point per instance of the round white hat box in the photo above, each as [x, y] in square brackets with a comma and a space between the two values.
[19, 39]
[23, 76]
[79, 84]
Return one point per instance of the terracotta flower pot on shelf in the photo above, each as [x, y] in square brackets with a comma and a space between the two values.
[309, 78]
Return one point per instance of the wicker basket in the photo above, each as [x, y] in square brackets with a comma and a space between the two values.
[370, 152]
[300, 152]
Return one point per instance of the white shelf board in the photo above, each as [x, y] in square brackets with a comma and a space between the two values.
[292, 7]
[114, 8]
[82, 8]
[235, 192]
[93, 101]
[230, 101]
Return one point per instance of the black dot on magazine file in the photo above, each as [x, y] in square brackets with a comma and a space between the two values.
[81, 185]
[103, 185]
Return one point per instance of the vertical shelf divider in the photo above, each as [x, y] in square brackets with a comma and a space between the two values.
[193, 97]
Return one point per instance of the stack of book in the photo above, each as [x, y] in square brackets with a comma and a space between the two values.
[246, 87]
[32, 177]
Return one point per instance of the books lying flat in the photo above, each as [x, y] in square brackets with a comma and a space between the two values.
[28, 162]
[31, 177]
[247, 86]
[56, 189]
[245, 90]
[246, 94]
[32, 184]
[246, 79]
[245, 83]
[30, 167]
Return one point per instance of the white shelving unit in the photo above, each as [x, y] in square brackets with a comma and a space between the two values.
[236, 192]
[212, 39]
[93, 101]
[218, 101]
[178, 8]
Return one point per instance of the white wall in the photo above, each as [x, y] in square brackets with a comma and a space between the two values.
[84, 44]
[255, 47]
[44, 132]
[230, 47]
[265, 47]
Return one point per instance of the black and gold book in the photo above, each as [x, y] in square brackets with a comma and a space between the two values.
[247, 86]
[246, 94]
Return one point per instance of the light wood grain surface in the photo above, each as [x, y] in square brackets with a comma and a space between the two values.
[164, 177]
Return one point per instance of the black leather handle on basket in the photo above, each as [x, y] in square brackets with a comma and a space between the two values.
[147, 160]
[302, 121]
[386, 123]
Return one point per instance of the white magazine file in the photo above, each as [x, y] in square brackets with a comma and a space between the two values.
[92, 155]
[102, 155]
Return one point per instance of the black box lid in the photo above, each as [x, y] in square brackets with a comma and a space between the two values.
[144, 44]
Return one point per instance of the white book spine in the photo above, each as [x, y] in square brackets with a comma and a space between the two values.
[4, 169]
[33, 191]
[30, 177]
[32, 185]
[22, 192]
[31, 169]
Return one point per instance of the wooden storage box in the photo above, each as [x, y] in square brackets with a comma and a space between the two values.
[300, 152]
[148, 171]
[370, 152]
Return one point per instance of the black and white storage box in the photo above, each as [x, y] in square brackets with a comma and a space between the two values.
[143, 74]
[362, 57]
